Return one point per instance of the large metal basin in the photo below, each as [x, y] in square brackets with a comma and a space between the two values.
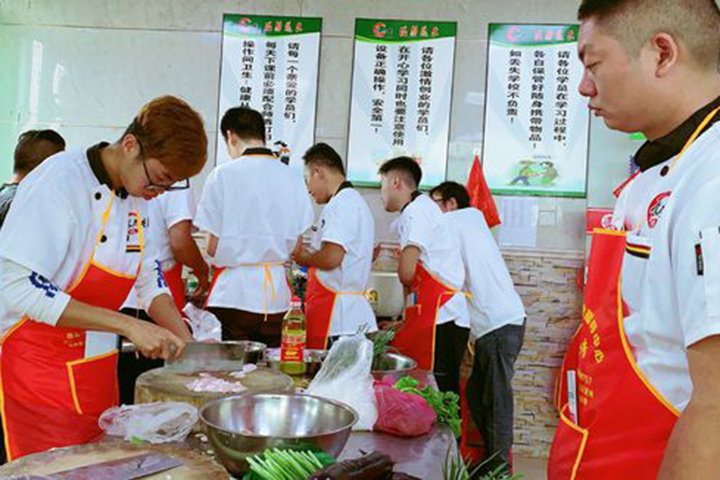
[246, 425]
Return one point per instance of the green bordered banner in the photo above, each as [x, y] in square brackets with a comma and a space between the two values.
[536, 122]
[401, 96]
[270, 64]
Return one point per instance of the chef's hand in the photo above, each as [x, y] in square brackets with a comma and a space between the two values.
[155, 342]
[301, 256]
[197, 296]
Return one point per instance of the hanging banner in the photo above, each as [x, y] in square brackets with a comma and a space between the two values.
[401, 94]
[270, 64]
[536, 122]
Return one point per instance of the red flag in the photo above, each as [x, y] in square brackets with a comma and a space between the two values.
[480, 196]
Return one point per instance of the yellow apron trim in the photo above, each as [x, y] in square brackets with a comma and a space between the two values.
[73, 388]
[583, 443]
[6, 437]
[631, 358]
[690, 141]
[91, 260]
[71, 375]
[267, 280]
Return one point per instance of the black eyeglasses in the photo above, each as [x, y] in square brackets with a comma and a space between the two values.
[155, 186]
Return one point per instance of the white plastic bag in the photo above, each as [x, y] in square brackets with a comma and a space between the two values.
[205, 326]
[159, 422]
[345, 377]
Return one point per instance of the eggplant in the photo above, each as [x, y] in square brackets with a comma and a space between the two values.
[374, 466]
[403, 476]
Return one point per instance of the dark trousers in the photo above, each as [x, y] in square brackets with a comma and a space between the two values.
[132, 365]
[489, 391]
[450, 344]
[242, 325]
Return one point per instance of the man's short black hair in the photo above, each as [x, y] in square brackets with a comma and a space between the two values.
[407, 167]
[449, 190]
[323, 154]
[695, 23]
[33, 147]
[246, 123]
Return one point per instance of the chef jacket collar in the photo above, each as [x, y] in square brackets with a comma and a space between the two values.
[655, 152]
[99, 170]
[343, 186]
[258, 151]
[413, 196]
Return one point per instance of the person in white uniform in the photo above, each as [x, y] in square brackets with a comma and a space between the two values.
[72, 247]
[341, 253]
[255, 210]
[652, 67]
[497, 322]
[436, 324]
[170, 225]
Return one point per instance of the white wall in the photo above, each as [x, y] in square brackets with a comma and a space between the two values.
[84, 67]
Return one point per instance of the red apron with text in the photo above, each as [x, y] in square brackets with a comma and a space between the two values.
[53, 392]
[416, 338]
[319, 307]
[623, 423]
[173, 278]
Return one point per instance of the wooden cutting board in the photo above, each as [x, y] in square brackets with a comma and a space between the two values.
[163, 384]
[196, 466]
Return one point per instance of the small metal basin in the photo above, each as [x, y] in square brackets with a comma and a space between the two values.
[313, 359]
[246, 425]
[392, 364]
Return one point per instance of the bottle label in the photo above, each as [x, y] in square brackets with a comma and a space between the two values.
[292, 348]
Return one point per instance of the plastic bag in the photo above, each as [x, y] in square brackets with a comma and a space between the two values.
[205, 326]
[159, 422]
[345, 377]
[402, 414]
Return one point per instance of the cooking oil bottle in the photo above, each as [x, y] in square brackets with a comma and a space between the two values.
[294, 334]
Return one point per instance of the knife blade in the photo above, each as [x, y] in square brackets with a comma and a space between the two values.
[121, 469]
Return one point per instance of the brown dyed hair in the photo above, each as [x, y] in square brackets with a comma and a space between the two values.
[170, 131]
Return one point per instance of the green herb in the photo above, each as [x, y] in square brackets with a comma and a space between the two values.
[286, 464]
[455, 468]
[445, 404]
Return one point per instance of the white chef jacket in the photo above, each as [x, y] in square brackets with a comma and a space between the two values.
[257, 207]
[423, 225]
[52, 228]
[493, 303]
[166, 211]
[673, 292]
[347, 221]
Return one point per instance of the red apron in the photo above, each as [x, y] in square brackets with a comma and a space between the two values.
[623, 423]
[55, 382]
[416, 338]
[173, 278]
[319, 306]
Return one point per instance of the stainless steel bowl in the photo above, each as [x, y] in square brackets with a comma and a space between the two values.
[246, 425]
[392, 364]
[313, 359]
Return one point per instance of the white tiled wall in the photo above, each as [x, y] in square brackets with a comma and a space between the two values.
[84, 67]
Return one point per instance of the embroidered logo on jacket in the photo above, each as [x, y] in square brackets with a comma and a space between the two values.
[656, 208]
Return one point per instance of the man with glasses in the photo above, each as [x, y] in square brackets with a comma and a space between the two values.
[72, 247]
[255, 210]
